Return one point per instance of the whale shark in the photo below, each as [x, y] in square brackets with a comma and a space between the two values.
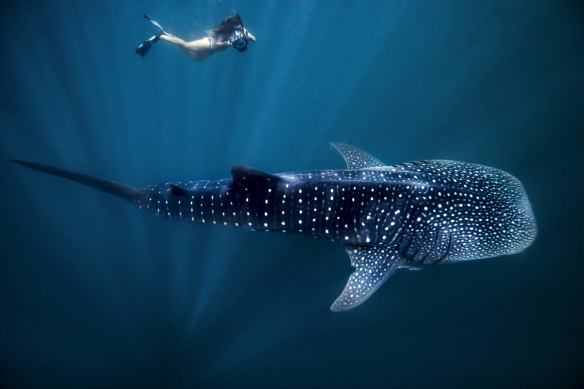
[410, 215]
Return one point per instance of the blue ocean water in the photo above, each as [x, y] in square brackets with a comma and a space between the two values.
[94, 293]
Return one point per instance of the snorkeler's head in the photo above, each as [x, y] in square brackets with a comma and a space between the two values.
[240, 38]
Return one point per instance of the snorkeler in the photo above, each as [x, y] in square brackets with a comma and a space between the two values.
[230, 33]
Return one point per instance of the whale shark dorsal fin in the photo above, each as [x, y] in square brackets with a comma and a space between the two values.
[373, 265]
[244, 174]
[355, 157]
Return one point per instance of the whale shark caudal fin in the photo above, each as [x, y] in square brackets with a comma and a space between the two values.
[126, 192]
[355, 157]
[373, 266]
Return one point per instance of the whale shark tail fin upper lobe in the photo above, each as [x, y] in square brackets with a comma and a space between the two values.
[126, 192]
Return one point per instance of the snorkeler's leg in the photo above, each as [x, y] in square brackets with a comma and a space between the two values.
[156, 24]
[173, 39]
[195, 50]
[145, 46]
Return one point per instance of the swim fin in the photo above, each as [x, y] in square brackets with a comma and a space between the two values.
[145, 46]
[154, 22]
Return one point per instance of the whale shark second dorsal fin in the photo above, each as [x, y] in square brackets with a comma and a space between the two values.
[355, 157]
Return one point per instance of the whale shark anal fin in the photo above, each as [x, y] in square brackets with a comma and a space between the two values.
[373, 265]
[355, 157]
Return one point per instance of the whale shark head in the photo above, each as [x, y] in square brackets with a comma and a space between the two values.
[521, 228]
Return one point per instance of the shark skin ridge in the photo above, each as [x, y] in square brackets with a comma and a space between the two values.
[387, 217]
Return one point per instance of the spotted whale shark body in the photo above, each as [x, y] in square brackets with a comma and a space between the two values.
[387, 217]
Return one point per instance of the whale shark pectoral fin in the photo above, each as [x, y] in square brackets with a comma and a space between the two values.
[373, 265]
[355, 157]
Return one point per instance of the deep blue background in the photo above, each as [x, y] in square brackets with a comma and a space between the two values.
[92, 292]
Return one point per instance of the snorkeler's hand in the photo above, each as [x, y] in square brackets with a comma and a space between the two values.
[219, 46]
[223, 44]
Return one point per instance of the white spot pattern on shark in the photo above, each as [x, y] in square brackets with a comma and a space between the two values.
[387, 217]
